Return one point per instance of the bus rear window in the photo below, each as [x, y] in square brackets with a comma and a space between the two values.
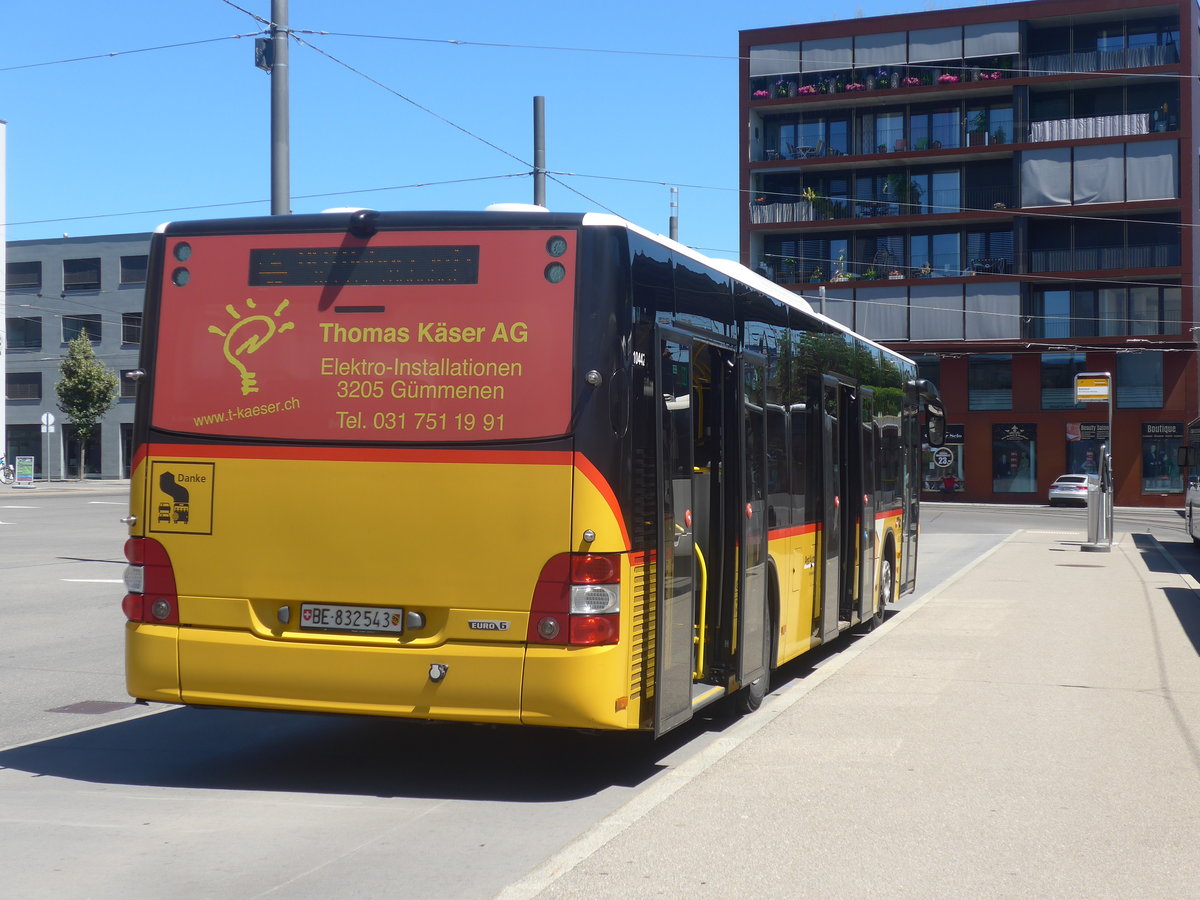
[427, 336]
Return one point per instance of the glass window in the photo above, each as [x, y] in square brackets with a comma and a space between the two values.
[1058, 379]
[131, 328]
[1051, 316]
[1139, 380]
[24, 333]
[133, 269]
[1114, 319]
[1144, 314]
[1083, 313]
[72, 326]
[989, 381]
[24, 275]
[128, 385]
[81, 274]
[1014, 458]
[23, 386]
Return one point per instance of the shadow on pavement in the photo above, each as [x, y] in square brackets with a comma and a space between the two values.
[227, 749]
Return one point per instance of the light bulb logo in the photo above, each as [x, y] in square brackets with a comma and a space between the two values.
[248, 334]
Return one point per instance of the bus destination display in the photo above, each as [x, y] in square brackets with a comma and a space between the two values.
[364, 266]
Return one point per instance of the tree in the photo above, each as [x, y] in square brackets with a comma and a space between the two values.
[86, 391]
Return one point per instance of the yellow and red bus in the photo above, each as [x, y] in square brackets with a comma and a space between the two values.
[507, 467]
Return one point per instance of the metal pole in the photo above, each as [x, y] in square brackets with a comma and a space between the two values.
[674, 226]
[281, 200]
[539, 151]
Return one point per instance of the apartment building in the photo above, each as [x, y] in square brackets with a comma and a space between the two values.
[1007, 194]
[56, 290]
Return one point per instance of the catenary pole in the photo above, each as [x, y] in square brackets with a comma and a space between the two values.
[539, 151]
[281, 201]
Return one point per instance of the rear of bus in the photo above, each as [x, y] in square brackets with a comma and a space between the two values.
[358, 485]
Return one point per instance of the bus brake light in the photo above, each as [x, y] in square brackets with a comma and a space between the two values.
[577, 601]
[150, 580]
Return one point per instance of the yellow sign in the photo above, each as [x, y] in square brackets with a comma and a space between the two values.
[1093, 387]
[181, 497]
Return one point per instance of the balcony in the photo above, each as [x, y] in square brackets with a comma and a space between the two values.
[1091, 127]
[852, 81]
[1095, 259]
[912, 203]
[1104, 60]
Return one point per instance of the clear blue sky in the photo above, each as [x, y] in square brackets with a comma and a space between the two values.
[123, 142]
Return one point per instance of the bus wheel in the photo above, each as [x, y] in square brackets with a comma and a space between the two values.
[750, 697]
[887, 587]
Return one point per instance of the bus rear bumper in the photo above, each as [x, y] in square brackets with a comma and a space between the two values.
[477, 682]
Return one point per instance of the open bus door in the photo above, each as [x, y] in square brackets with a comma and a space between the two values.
[676, 616]
[842, 503]
[754, 622]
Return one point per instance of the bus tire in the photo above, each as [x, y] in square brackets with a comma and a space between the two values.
[887, 585]
[751, 696]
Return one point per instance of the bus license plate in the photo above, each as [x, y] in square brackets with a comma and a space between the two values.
[370, 619]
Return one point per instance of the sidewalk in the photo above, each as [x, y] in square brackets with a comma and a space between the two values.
[1030, 728]
[112, 485]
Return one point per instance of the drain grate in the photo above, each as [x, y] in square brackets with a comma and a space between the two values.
[92, 707]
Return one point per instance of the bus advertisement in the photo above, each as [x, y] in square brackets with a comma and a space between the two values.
[506, 467]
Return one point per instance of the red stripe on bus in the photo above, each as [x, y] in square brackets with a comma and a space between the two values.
[887, 514]
[794, 531]
[592, 474]
[357, 454]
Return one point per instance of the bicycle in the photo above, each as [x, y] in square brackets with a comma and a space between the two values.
[7, 475]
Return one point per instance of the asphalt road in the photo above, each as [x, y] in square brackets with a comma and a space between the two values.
[101, 798]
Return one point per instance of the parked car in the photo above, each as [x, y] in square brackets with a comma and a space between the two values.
[1069, 490]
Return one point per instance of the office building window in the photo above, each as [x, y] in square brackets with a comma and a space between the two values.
[128, 385]
[1058, 379]
[23, 386]
[131, 328]
[73, 326]
[24, 275]
[989, 381]
[81, 274]
[24, 333]
[133, 269]
[1140, 380]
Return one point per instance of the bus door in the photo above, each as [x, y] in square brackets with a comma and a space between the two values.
[911, 440]
[842, 502]
[868, 484]
[676, 615]
[754, 623]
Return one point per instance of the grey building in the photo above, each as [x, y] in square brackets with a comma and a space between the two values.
[56, 290]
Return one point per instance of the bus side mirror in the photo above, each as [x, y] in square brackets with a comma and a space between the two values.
[935, 423]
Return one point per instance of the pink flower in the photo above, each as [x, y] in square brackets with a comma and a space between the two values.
[911, 80]
[807, 89]
[855, 86]
[947, 79]
[762, 94]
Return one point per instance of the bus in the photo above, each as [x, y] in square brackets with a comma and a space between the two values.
[510, 466]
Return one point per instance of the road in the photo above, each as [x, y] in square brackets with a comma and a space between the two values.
[102, 798]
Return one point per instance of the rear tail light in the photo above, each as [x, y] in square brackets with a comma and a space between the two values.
[150, 582]
[577, 601]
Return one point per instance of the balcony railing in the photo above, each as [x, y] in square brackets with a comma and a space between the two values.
[1090, 259]
[938, 202]
[1090, 127]
[1104, 60]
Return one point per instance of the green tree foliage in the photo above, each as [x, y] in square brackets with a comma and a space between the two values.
[86, 391]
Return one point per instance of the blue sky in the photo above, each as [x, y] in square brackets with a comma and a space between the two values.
[121, 143]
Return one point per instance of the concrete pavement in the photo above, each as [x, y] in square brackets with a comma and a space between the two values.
[1031, 728]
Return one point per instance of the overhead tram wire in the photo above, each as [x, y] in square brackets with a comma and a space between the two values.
[115, 53]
